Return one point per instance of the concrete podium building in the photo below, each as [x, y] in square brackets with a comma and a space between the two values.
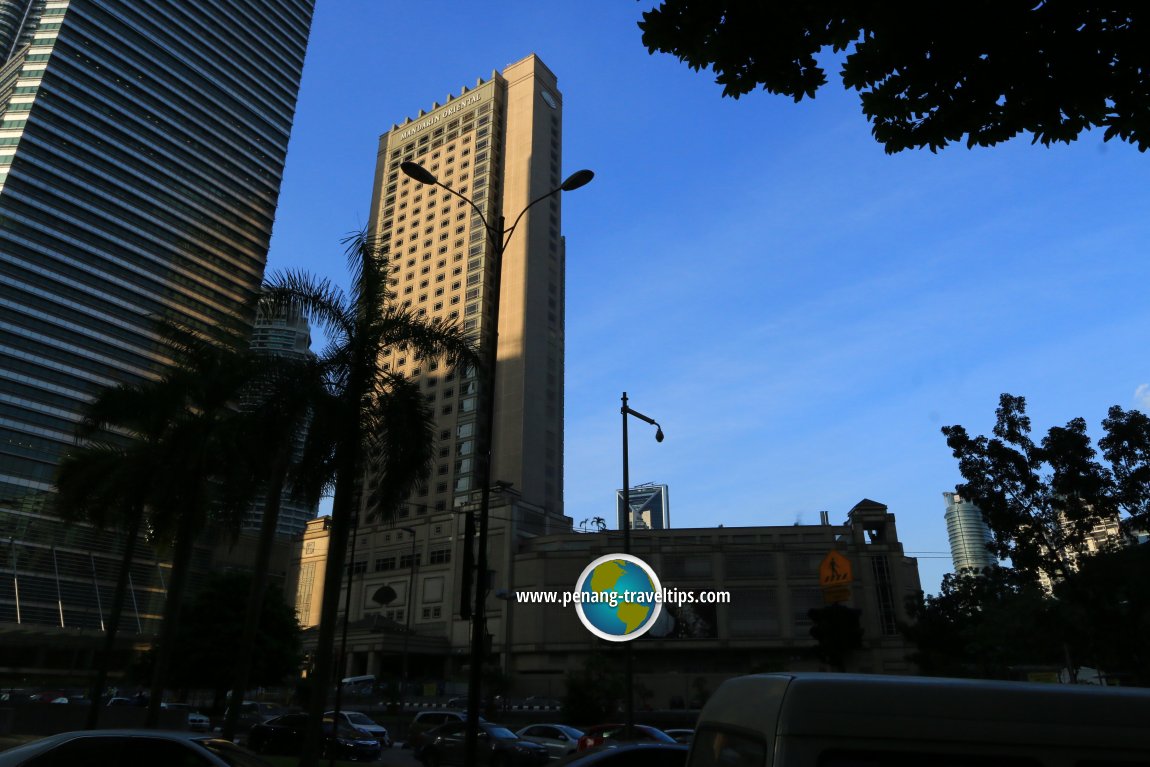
[771, 574]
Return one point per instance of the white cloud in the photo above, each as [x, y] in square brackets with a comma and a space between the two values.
[1142, 397]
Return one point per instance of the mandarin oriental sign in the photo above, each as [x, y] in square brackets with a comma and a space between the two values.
[442, 114]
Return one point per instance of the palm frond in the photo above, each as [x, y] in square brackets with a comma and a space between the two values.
[319, 300]
[403, 447]
[437, 338]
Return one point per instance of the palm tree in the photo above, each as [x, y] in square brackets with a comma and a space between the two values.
[381, 438]
[157, 455]
[281, 410]
[108, 482]
[208, 468]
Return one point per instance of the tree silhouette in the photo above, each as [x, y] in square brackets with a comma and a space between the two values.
[930, 75]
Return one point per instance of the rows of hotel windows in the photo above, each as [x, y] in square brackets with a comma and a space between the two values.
[459, 153]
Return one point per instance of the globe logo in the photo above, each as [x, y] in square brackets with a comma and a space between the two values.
[618, 597]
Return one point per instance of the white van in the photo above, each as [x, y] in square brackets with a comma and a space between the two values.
[847, 720]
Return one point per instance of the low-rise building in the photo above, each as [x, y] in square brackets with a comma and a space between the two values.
[771, 574]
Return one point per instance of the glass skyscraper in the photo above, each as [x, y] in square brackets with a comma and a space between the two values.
[142, 144]
[968, 535]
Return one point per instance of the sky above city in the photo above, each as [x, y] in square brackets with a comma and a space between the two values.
[799, 310]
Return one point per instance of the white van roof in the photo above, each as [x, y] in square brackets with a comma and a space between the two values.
[930, 708]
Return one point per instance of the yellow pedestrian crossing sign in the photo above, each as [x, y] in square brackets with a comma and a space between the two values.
[835, 570]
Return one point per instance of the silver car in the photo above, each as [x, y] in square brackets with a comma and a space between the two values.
[558, 739]
[362, 723]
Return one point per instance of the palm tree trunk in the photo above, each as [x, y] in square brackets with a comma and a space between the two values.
[343, 508]
[105, 659]
[181, 564]
[247, 648]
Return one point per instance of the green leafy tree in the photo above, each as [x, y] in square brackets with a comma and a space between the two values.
[985, 626]
[373, 436]
[1041, 500]
[1105, 605]
[930, 75]
[210, 630]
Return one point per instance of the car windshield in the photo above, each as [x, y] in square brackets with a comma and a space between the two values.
[501, 733]
[356, 717]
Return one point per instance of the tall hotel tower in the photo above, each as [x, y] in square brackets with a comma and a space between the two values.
[142, 144]
[499, 144]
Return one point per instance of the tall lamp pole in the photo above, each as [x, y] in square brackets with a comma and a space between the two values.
[498, 237]
[410, 609]
[629, 661]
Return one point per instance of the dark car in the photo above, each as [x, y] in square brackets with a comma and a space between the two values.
[426, 721]
[498, 747]
[122, 747]
[629, 755]
[285, 735]
[615, 733]
[558, 739]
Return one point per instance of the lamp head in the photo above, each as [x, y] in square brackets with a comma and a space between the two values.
[577, 179]
[419, 173]
[658, 433]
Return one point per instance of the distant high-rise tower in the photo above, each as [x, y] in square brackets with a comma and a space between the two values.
[968, 534]
[499, 144]
[287, 334]
[142, 143]
[650, 507]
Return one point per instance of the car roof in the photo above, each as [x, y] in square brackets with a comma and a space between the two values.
[51, 741]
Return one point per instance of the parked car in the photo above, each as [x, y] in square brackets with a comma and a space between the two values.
[122, 747]
[558, 739]
[364, 724]
[197, 722]
[285, 735]
[630, 755]
[681, 734]
[497, 746]
[425, 721]
[254, 712]
[614, 733]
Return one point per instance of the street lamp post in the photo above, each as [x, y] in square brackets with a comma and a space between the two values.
[498, 237]
[629, 670]
[410, 609]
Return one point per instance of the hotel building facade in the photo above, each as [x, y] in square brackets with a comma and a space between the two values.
[500, 145]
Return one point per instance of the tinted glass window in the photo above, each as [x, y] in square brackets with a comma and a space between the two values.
[81, 751]
[148, 752]
[716, 748]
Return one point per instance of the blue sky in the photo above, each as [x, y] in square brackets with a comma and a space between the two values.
[800, 311]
